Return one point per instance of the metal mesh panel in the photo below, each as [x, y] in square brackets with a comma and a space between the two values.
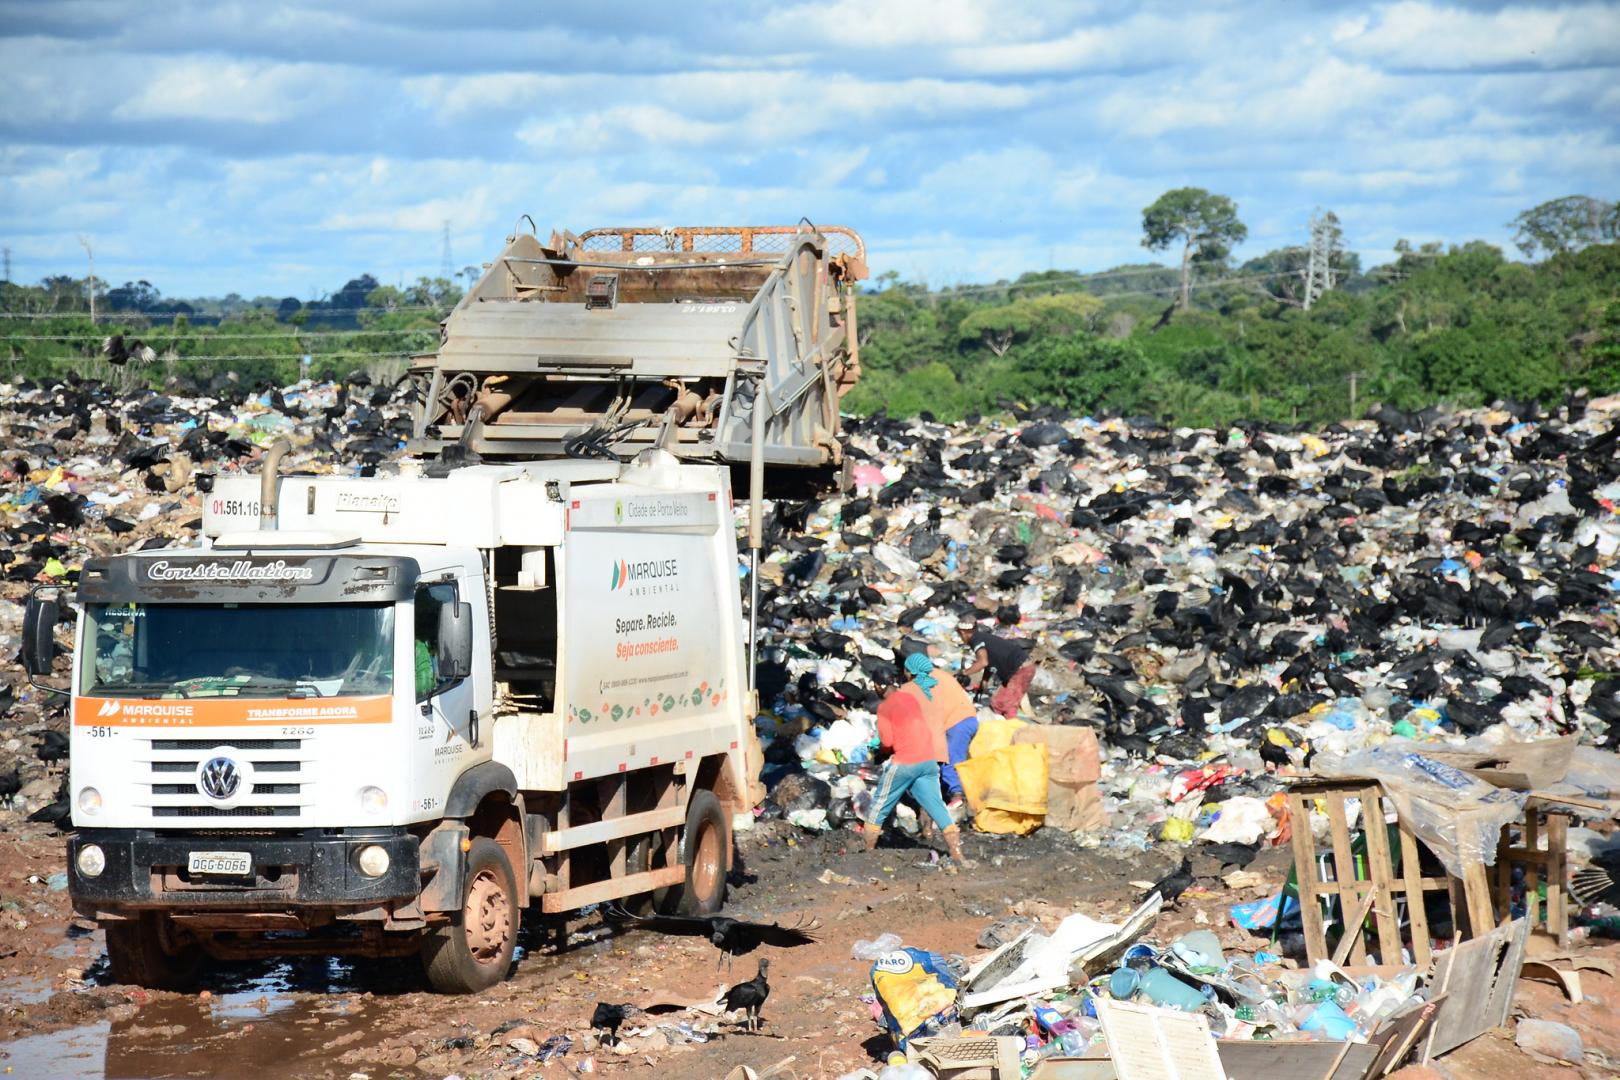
[761, 239]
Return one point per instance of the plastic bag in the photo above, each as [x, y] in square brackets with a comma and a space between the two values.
[994, 733]
[916, 992]
[877, 948]
[1012, 778]
[1459, 816]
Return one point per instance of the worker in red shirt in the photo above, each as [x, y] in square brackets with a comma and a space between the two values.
[913, 766]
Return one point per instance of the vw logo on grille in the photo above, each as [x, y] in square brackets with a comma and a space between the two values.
[220, 778]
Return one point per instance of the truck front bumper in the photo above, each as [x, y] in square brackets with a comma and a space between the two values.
[149, 869]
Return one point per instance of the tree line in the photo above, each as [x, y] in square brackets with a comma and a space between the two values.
[1287, 336]
[1297, 334]
[48, 329]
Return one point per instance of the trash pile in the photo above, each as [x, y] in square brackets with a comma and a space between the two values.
[1217, 606]
[87, 472]
[1099, 990]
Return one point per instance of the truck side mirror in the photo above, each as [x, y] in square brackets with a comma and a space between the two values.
[39, 629]
[455, 641]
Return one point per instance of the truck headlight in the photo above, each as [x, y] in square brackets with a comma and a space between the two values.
[373, 800]
[89, 800]
[92, 861]
[372, 860]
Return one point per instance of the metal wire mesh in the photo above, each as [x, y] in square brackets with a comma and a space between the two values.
[720, 240]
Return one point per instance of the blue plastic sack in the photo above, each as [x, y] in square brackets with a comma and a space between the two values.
[1262, 914]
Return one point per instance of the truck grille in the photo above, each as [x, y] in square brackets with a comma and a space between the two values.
[279, 789]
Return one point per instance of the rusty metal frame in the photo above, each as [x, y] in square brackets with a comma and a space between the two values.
[691, 238]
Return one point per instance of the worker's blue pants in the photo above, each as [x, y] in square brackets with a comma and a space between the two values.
[922, 780]
[957, 740]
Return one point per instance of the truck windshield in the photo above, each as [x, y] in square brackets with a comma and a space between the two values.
[238, 650]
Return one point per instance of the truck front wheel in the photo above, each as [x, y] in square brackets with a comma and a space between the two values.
[146, 951]
[706, 851]
[474, 950]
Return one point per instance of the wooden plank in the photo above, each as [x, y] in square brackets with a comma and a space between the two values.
[1380, 870]
[1352, 936]
[1344, 872]
[1532, 870]
[614, 828]
[1557, 902]
[1478, 976]
[1402, 1033]
[1504, 868]
[612, 889]
[1310, 908]
[1477, 887]
[1417, 915]
[1294, 1059]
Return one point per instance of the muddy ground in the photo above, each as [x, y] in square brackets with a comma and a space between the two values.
[60, 1016]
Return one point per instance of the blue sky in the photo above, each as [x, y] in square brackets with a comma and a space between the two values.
[281, 147]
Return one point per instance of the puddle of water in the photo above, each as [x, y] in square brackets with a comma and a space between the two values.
[78, 1054]
[24, 991]
[240, 1035]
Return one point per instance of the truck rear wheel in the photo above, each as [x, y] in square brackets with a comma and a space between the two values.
[473, 952]
[146, 951]
[649, 852]
[706, 851]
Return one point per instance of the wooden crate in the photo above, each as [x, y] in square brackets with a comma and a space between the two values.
[1373, 895]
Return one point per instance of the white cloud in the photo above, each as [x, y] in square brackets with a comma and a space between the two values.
[1141, 40]
[862, 24]
[282, 144]
[1425, 36]
[216, 89]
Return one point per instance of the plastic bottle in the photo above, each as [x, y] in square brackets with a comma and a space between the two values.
[1599, 928]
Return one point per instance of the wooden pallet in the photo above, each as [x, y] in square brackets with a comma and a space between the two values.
[1373, 893]
[1539, 865]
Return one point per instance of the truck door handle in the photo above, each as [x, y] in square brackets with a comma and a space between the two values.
[472, 727]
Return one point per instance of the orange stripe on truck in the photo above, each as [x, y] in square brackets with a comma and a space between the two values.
[235, 712]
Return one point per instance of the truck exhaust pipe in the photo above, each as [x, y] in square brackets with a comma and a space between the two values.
[267, 483]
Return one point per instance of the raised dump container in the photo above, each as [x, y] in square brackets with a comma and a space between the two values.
[604, 343]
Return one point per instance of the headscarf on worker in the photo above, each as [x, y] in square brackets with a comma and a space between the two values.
[919, 666]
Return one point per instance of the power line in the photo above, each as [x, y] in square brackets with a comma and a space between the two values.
[279, 356]
[1109, 296]
[291, 335]
[313, 312]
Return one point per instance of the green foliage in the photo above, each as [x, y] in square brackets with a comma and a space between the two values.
[1205, 225]
[46, 330]
[1205, 222]
[1568, 224]
[1463, 325]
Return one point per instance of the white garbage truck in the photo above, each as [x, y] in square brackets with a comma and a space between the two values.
[389, 714]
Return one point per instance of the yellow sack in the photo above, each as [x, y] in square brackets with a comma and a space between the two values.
[993, 734]
[1006, 822]
[1012, 779]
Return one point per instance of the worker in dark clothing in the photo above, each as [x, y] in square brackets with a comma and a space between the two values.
[1007, 658]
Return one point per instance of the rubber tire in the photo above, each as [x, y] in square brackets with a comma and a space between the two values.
[449, 962]
[140, 954]
[639, 858]
[703, 811]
